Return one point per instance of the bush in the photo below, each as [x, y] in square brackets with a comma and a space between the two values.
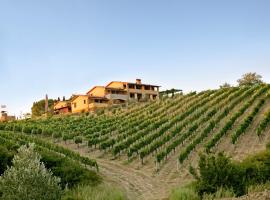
[28, 178]
[71, 174]
[5, 158]
[217, 172]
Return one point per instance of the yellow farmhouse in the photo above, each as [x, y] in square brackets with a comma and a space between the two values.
[118, 92]
[114, 93]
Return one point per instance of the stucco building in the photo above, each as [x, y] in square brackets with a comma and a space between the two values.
[114, 93]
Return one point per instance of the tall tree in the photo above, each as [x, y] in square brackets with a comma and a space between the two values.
[250, 79]
[38, 108]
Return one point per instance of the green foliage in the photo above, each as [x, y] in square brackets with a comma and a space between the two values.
[220, 193]
[6, 156]
[230, 122]
[184, 193]
[38, 108]
[247, 121]
[78, 140]
[2, 126]
[219, 172]
[56, 135]
[264, 123]
[71, 174]
[27, 129]
[28, 178]
[100, 192]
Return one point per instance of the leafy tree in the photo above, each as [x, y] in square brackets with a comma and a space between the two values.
[250, 79]
[28, 178]
[225, 85]
[38, 108]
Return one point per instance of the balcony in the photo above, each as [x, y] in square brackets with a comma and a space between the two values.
[97, 105]
[117, 96]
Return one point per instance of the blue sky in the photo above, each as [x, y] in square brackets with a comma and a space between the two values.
[61, 47]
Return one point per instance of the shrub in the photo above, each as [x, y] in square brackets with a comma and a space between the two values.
[217, 172]
[28, 178]
[5, 158]
[71, 174]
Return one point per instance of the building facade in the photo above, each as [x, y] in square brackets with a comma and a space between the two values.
[79, 104]
[118, 92]
[114, 93]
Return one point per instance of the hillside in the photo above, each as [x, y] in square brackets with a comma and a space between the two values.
[146, 149]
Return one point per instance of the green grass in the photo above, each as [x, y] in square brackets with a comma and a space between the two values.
[100, 192]
[220, 193]
[186, 192]
[259, 187]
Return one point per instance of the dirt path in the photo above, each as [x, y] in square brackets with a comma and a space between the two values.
[136, 184]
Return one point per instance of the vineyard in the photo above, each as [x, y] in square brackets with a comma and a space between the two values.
[159, 139]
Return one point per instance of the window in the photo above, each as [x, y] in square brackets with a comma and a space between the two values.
[132, 95]
[131, 86]
[84, 101]
[74, 105]
[146, 87]
[138, 87]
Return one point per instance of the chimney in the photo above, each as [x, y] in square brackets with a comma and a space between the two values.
[138, 81]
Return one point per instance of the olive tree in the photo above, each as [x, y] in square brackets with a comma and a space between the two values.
[28, 178]
[250, 79]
